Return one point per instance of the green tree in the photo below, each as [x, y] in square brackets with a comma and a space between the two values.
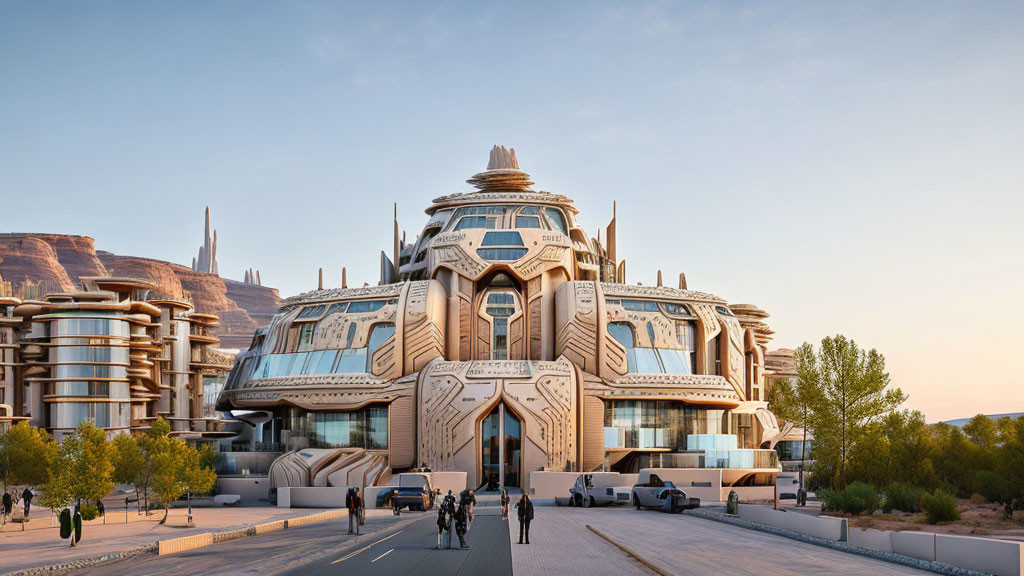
[176, 467]
[25, 454]
[56, 491]
[1010, 465]
[90, 461]
[793, 402]
[131, 465]
[850, 389]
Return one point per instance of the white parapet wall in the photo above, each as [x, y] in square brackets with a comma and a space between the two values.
[819, 526]
[313, 497]
[920, 545]
[999, 557]
[252, 490]
[871, 539]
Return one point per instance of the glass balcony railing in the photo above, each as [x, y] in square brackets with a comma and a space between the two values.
[704, 450]
[245, 463]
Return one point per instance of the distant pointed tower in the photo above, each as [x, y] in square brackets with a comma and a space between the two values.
[207, 260]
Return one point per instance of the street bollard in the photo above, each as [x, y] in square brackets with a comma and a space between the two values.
[732, 504]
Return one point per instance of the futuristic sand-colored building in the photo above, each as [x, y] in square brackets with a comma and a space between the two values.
[504, 341]
[114, 353]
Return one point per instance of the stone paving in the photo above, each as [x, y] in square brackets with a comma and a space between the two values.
[40, 544]
[679, 544]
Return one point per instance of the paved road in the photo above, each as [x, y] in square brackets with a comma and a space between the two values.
[388, 545]
[412, 551]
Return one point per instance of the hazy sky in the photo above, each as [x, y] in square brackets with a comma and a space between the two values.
[848, 167]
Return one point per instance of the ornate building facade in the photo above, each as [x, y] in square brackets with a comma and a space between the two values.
[504, 340]
[115, 353]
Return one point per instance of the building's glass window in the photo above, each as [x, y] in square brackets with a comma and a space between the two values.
[311, 312]
[506, 254]
[337, 308]
[91, 327]
[115, 390]
[366, 428]
[353, 361]
[659, 424]
[104, 414]
[278, 365]
[306, 333]
[527, 221]
[320, 362]
[724, 311]
[557, 220]
[379, 334]
[649, 360]
[673, 308]
[470, 222]
[790, 449]
[360, 306]
[640, 305]
[99, 354]
[500, 348]
[714, 355]
[503, 238]
[87, 371]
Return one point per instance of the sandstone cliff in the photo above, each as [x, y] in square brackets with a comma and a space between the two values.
[61, 260]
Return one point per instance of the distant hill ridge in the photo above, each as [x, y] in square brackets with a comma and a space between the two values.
[59, 261]
[960, 422]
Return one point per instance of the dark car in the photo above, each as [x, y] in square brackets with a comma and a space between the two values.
[664, 495]
[414, 493]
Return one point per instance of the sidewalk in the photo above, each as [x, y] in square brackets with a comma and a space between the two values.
[41, 545]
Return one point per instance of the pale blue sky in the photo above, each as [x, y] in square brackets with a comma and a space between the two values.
[849, 167]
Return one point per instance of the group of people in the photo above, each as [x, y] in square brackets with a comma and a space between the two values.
[356, 510]
[10, 500]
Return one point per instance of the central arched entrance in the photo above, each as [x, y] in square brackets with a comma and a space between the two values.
[500, 449]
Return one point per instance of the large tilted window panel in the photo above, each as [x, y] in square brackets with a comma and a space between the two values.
[366, 428]
[649, 360]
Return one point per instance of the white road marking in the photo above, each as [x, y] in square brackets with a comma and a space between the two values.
[343, 558]
[382, 555]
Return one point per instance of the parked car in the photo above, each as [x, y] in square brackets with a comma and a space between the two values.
[598, 489]
[414, 493]
[664, 495]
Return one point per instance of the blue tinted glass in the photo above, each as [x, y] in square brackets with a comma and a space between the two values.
[475, 222]
[527, 221]
[530, 210]
[379, 334]
[504, 238]
[621, 332]
[557, 219]
[501, 253]
[640, 305]
[500, 298]
[365, 306]
[311, 312]
[337, 308]
[500, 311]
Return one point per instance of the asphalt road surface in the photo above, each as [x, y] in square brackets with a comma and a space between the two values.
[388, 545]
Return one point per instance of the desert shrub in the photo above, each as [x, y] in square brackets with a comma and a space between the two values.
[89, 512]
[902, 497]
[857, 498]
[940, 507]
[991, 485]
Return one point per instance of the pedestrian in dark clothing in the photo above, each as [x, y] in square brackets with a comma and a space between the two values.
[26, 497]
[524, 509]
[99, 508]
[7, 505]
[351, 503]
[467, 500]
[462, 525]
[504, 504]
[395, 508]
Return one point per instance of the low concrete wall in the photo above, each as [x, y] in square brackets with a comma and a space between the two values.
[370, 495]
[920, 545]
[746, 493]
[176, 545]
[999, 557]
[544, 484]
[818, 526]
[252, 490]
[454, 481]
[312, 497]
[871, 539]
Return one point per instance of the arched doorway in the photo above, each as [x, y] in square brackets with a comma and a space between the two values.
[500, 449]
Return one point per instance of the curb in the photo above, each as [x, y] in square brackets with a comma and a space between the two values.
[182, 544]
[629, 552]
[891, 557]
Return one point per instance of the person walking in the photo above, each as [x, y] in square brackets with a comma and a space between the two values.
[466, 500]
[8, 505]
[395, 508]
[524, 509]
[353, 516]
[26, 497]
[360, 509]
[504, 504]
